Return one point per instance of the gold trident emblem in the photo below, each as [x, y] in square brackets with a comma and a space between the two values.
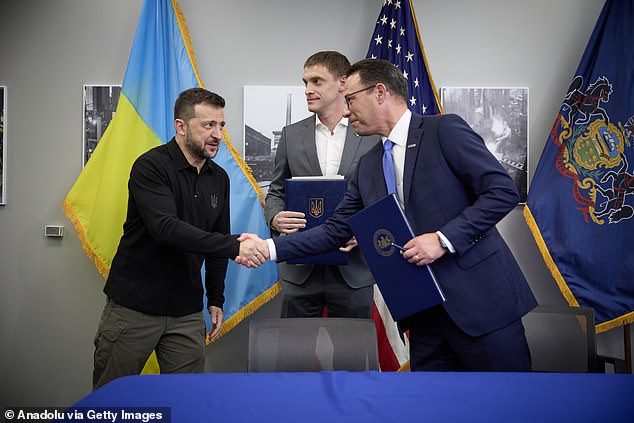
[316, 206]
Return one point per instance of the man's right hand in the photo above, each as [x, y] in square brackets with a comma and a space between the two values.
[253, 250]
[287, 222]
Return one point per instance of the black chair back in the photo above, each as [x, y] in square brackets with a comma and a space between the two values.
[561, 338]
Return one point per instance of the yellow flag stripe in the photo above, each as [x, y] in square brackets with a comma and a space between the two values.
[106, 174]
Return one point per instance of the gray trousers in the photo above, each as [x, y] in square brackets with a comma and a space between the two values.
[126, 338]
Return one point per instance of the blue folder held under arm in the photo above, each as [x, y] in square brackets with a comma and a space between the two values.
[407, 289]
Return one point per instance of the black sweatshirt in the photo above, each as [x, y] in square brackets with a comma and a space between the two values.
[176, 219]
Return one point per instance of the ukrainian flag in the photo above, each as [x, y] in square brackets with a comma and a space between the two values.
[161, 66]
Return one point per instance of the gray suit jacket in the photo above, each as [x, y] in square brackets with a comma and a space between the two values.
[297, 156]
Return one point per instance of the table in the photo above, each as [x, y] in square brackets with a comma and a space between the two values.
[377, 397]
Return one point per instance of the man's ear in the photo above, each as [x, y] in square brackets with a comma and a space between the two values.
[342, 83]
[180, 126]
[381, 92]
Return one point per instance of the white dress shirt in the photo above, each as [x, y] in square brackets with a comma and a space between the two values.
[398, 136]
[330, 145]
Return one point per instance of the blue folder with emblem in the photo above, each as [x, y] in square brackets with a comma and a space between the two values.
[406, 288]
[317, 197]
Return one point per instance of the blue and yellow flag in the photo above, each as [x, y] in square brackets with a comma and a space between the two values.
[396, 39]
[161, 66]
[580, 205]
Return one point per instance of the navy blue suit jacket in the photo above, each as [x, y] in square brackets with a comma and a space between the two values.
[452, 184]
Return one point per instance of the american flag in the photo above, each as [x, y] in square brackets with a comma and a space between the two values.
[396, 39]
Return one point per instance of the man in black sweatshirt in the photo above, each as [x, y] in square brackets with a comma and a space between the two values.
[178, 217]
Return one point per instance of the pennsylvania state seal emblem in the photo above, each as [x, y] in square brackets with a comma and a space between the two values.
[593, 153]
[383, 240]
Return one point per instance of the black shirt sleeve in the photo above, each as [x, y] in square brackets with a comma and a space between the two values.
[149, 187]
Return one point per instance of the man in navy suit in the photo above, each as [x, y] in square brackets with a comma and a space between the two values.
[454, 192]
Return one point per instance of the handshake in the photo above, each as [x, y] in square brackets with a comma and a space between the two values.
[253, 250]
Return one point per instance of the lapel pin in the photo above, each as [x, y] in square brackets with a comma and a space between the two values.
[411, 146]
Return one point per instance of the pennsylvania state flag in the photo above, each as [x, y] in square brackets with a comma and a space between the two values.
[161, 66]
[580, 206]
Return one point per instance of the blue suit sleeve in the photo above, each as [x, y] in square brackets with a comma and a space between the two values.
[490, 186]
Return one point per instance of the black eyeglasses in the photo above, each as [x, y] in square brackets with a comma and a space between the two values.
[347, 97]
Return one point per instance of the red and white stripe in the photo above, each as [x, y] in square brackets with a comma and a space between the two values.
[393, 352]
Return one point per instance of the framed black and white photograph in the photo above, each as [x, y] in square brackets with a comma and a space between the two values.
[100, 103]
[267, 109]
[500, 117]
[3, 150]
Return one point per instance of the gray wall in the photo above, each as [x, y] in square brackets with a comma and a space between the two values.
[50, 293]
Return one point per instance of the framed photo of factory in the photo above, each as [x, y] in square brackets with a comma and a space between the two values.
[100, 104]
[3, 150]
[500, 117]
[267, 109]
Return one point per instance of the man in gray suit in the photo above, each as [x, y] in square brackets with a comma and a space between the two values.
[323, 144]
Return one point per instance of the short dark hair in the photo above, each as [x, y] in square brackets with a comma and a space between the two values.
[184, 106]
[373, 71]
[336, 63]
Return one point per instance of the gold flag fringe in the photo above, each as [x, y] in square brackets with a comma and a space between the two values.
[614, 323]
[99, 262]
[187, 39]
[563, 287]
[246, 169]
[249, 309]
[550, 263]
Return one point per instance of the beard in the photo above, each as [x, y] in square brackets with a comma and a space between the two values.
[196, 149]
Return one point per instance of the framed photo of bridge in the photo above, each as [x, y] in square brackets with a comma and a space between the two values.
[500, 117]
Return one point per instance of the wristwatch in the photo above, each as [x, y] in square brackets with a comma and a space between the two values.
[442, 242]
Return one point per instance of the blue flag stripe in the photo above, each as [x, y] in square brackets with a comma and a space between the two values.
[158, 45]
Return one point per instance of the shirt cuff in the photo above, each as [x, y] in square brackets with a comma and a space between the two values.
[448, 243]
[272, 251]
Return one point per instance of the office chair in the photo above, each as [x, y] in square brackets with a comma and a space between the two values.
[562, 338]
[312, 345]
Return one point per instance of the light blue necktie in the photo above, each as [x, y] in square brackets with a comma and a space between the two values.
[388, 167]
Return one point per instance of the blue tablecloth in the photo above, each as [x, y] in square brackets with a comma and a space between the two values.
[377, 397]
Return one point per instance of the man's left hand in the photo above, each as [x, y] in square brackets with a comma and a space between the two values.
[217, 317]
[423, 249]
[352, 242]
